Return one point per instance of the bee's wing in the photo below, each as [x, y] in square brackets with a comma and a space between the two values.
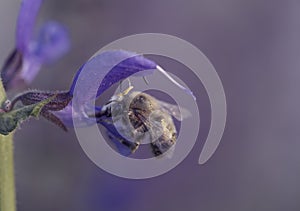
[178, 112]
[149, 123]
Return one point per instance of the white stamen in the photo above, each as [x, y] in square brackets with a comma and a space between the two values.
[160, 69]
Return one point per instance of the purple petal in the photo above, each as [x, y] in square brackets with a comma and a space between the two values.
[30, 68]
[81, 117]
[25, 24]
[51, 44]
[11, 69]
[109, 67]
[19, 70]
[65, 115]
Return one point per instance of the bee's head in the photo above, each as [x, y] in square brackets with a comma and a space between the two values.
[142, 101]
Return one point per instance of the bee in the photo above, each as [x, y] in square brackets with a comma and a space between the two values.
[133, 118]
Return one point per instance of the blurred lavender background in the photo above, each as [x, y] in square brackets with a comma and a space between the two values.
[255, 49]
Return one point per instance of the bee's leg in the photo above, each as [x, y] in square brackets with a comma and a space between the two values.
[124, 146]
[104, 112]
[103, 115]
[133, 146]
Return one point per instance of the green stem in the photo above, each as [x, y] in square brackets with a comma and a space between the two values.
[7, 181]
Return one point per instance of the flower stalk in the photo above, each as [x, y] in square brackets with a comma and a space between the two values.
[7, 181]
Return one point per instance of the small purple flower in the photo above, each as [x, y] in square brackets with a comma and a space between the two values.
[32, 51]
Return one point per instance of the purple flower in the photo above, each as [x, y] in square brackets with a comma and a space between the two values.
[109, 71]
[32, 51]
[52, 42]
[107, 67]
